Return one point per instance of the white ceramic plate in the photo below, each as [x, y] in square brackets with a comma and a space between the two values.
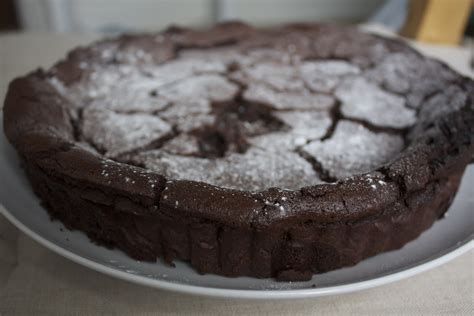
[447, 239]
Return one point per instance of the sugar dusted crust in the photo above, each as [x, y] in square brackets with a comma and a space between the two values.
[310, 147]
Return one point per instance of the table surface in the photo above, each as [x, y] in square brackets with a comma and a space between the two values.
[34, 280]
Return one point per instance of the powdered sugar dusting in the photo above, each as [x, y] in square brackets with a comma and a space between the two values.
[168, 116]
[353, 149]
[323, 76]
[304, 126]
[117, 133]
[132, 99]
[308, 124]
[254, 170]
[180, 69]
[189, 114]
[364, 100]
[183, 144]
[410, 74]
[207, 87]
[288, 100]
[276, 75]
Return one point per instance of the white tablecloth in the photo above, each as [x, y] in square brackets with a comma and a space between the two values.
[35, 281]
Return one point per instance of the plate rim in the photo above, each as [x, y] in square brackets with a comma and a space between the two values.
[450, 254]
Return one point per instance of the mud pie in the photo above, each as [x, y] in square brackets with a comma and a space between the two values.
[280, 152]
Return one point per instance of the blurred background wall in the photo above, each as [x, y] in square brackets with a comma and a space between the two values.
[436, 21]
[113, 16]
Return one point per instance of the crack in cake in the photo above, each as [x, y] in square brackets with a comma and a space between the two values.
[279, 152]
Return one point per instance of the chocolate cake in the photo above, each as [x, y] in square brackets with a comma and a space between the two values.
[279, 152]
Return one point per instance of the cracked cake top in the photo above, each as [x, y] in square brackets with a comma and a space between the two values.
[249, 109]
[245, 117]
